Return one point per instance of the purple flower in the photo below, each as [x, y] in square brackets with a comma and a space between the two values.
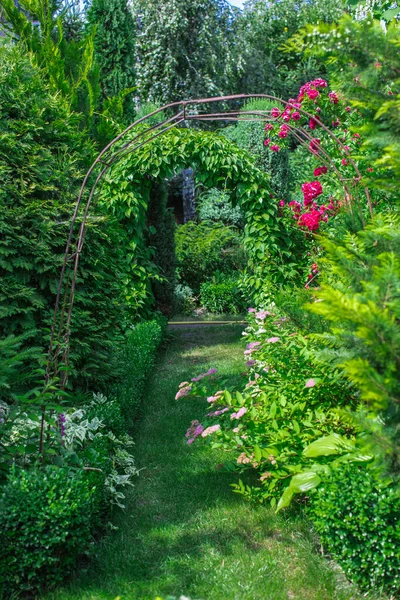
[218, 412]
[250, 363]
[310, 383]
[242, 411]
[251, 310]
[253, 345]
[263, 314]
[272, 340]
[195, 429]
[62, 419]
[202, 375]
[210, 430]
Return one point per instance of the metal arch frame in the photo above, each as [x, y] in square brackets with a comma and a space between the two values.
[184, 113]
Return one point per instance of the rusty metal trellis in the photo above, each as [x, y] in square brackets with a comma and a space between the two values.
[184, 113]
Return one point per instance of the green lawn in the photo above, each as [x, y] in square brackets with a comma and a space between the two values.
[184, 531]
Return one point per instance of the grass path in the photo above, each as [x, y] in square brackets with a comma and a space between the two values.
[184, 531]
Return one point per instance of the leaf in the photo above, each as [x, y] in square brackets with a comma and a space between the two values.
[390, 14]
[328, 445]
[257, 453]
[300, 483]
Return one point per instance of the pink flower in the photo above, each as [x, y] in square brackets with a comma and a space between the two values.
[313, 94]
[275, 148]
[184, 384]
[273, 340]
[333, 97]
[295, 206]
[320, 171]
[356, 135]
[268, 127]
[218, 412]
[311, 220]
[235, 430]
[286, 117]
[210, 430]
[275, 112]
[283, 134]
[319, 83]
[267, 142]
[311, 191]
[345, 162]
[281, 203]
[251, 310]
[348, 109]
[312, 123]
[211, 399]
[253, 345]
[314, 145]
[195, 429]
[184, 391]
[251, 363]
[296, 116]
[310, 383]
[242, 411]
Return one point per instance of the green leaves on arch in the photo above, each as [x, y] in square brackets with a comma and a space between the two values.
[218, 162]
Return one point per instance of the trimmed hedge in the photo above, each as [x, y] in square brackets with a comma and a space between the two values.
[46, 518]
[358, 521]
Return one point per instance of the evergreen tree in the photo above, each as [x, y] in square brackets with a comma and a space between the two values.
[185, 49]
[114, 44]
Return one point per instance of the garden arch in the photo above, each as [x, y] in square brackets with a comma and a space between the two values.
[249, 180]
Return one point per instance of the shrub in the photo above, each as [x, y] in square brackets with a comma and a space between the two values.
[205, 248]
[43, 158]
[222, 296]
[184, 301]
[216, 205]
[133, 363]
[46, 517]
[288, 402]
[357, 519]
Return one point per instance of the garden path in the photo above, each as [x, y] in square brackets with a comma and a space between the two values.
[184, 531]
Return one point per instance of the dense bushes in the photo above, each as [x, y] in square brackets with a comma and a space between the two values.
[216, 205]
[134, 361]
[222, 295]
[43, 157]
[206, 248]
[358, 520]
[46, 519]
[49, 513]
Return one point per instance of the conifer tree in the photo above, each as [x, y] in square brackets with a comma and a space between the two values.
[114, 44]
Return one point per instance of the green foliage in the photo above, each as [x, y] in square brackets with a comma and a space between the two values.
[46, 517]
[43, 158]
[216, 205]
[68, 62]
[222, 295]
[360, 298]
[133, 362]
[263, 28]
[184, 300]
[161, 239]
[202, 249]
[114, 47]
[185, 49]
[357, 519]
[217, 163]
[271, 422]
[364, 65]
